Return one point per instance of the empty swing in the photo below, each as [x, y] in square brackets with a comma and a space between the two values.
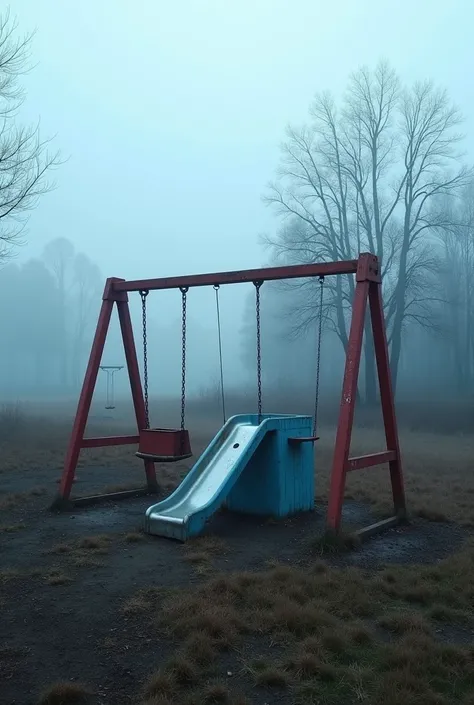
[257, 284]
[110, 371]
[164, 445]
[314, 437]
[219, 340]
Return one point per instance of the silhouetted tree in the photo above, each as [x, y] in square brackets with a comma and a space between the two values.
[24, 157]
[84, 300]
[58, 256]
[29, 323]
[456, 274]
[368, 176]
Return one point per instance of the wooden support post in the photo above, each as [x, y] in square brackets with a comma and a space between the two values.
[368, 288]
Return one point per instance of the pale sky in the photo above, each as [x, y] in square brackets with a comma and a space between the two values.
[171, 113]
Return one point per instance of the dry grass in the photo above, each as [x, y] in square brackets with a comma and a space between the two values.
[8, 574]
[56, 576]
[87, 552]
[330, 635]
[202, 550]
[11, 528]
[16, 499]
[65, 694]
[437, 468]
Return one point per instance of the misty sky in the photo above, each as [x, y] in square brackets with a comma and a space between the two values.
[172, 112]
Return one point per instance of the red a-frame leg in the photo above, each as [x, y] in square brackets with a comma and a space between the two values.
[368, 286]
[77, 440]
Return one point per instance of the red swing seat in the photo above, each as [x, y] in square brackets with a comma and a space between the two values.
[165, 445]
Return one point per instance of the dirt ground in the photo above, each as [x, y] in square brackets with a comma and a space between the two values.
[83, 594]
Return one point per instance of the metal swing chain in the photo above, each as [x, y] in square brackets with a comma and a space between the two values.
[143, 294]
[184, 291]
[216, 289]
[258, 285]
[318, 354]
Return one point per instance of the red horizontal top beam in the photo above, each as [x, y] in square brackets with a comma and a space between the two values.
[297, 271]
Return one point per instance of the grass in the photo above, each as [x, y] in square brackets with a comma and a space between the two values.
[11, 528]
[329, 636]
[202, 551]
[16, 499]
[56, 576]
[335, 543]
[87, 552]
[98, 544]
[8, 574]
[65, 694]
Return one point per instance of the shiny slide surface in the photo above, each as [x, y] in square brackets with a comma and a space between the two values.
[206, 486]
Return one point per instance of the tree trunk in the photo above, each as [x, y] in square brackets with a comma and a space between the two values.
[398, 317]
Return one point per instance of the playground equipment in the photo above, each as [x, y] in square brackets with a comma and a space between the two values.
[163, 444]
[110, 371]
[251, 466]
[257, 464]
[211, 483]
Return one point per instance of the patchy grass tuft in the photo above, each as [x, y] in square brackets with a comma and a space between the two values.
[160, 685]
[182, 671]
[216, 693]
[15, 499]
[8, 574]
[11, 528]
[144, 602]
[272, 677]
[57, 577]
[97, 544]
[200, 648]
[331, 543]
[202, 550]
[401, 623]
[65, 694]
[430, 514]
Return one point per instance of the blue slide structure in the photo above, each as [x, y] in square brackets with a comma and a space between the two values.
[251, 467]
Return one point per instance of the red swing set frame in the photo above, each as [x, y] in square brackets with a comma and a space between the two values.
[367, 291]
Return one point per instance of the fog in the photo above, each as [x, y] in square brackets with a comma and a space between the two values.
[170, 119]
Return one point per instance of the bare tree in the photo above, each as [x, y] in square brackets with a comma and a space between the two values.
[369, 176]
[431, 170]
[87, 284]
[24, 156]
[58, 255]
[456, 280]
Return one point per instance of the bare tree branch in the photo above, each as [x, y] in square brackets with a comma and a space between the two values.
[25, 159]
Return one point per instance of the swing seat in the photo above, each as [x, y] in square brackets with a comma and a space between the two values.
[304, 439]
[165, 445]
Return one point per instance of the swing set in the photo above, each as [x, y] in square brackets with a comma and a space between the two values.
[110, 371]
[165, 445]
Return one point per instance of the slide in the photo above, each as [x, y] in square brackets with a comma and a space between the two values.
[206, 486]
